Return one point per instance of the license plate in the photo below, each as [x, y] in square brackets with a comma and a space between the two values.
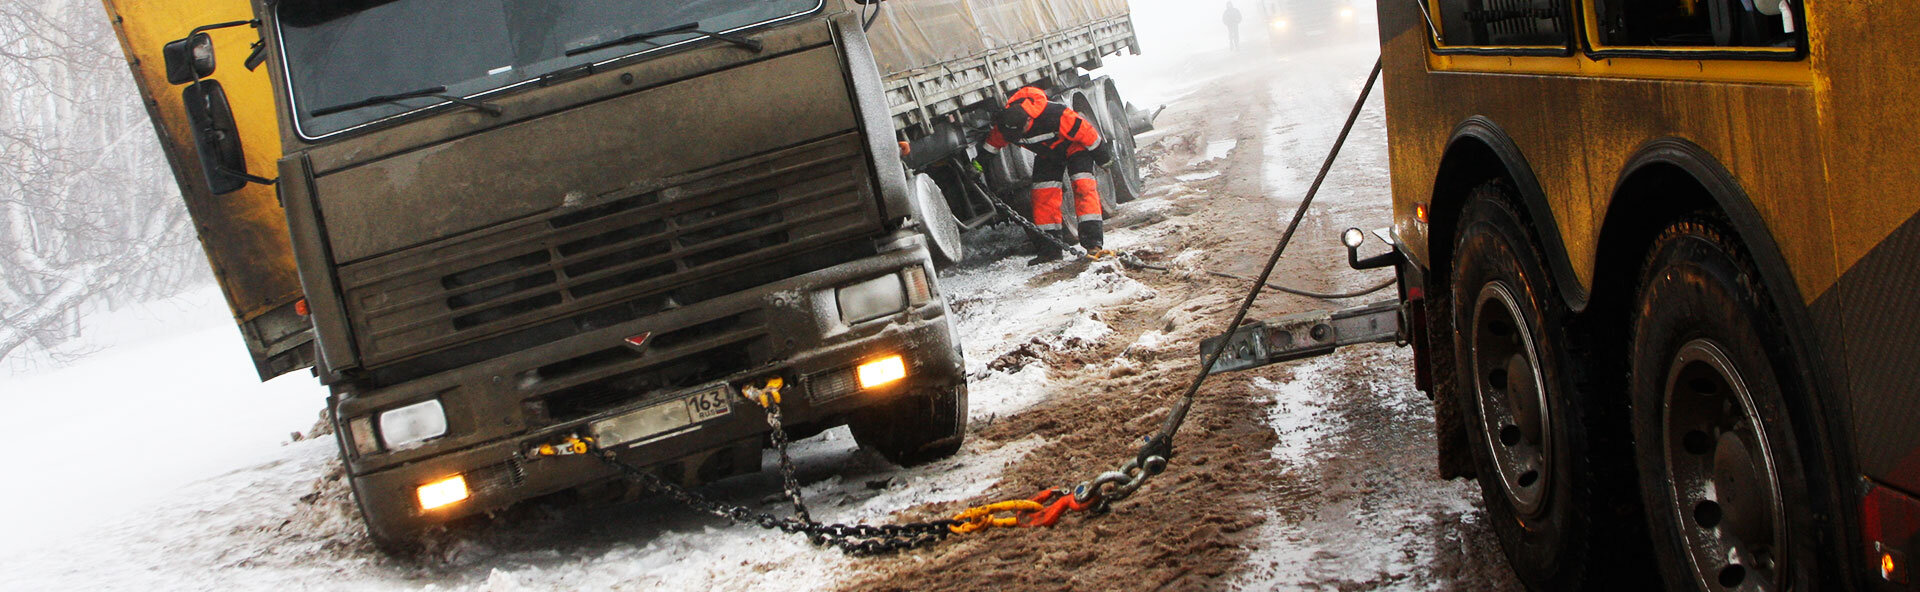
[665, 418]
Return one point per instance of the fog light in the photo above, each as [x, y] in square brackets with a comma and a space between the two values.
[882, 372]
[442, 493]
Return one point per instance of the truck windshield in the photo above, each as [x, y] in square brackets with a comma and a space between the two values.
[338, 53]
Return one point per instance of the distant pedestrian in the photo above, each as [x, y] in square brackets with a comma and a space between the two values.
[1232, 18]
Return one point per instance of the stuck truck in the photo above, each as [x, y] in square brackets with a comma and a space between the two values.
[497, 229]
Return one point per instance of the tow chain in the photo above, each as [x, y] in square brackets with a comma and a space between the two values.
[854, 539]
[1096, 495]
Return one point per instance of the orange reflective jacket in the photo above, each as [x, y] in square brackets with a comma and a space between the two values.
[1052, 128]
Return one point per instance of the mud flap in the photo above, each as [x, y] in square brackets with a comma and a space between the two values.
[1305, 335]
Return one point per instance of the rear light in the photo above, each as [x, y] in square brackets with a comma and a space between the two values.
[1893, 565]
[443, 493]
[882, 372]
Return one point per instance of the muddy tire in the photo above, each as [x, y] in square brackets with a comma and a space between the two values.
[1551, 461]
[1724, 477]
[914, 429]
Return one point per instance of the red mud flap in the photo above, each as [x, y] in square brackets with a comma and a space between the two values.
[1304, 335]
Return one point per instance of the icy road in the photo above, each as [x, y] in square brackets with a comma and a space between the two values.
[158, 464]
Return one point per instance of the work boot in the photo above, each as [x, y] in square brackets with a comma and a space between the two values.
[1092, 236]
[1049, 252]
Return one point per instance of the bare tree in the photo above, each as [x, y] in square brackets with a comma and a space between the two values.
[89, 215]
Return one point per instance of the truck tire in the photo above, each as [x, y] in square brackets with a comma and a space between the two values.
[937, 222]
[1725, 476]
[1089, 103]
[1128, 184]
[1550, 460]
[914, 429]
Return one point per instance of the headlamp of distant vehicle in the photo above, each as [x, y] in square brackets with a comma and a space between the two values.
[1279, 24]
[408, 426]
[1346, 13]
[871, 299]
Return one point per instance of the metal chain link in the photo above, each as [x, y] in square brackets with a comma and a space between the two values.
[854, 539]
[1008, 212]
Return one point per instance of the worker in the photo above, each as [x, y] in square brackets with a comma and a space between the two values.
[1232, 20]
[1062, 142]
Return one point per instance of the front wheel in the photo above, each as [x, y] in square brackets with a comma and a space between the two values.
[914, 428]
[1724, 479]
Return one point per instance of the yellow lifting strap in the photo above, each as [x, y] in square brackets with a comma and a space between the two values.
[983, 516]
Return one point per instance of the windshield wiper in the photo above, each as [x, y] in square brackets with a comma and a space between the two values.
[753, 45]
[437, 92]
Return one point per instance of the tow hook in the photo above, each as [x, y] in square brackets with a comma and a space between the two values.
[574, 444]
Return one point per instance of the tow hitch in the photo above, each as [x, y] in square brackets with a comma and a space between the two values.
[1304, 335]
[1317, 333]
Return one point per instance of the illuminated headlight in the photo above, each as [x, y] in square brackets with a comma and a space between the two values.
[871, 299]
[413, 424]
[1346, 13]
[1279, 24]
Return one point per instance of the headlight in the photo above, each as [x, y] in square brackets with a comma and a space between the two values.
[1279, 24]
[413, 424]
[1346, 13]
[871, 299]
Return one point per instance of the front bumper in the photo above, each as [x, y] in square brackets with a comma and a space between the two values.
[493, 422]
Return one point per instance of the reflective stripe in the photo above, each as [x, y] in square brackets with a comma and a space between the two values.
[1038, 139]
[1089, 217]
[989, 149]
[1048, 226]
[1083, 177]
[1096, 144]
[1049, 185]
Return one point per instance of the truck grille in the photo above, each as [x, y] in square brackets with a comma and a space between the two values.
[538, 280]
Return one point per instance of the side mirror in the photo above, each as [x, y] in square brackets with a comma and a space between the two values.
[216, 137]
[189, 59]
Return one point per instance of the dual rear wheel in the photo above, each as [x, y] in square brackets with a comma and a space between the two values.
[1685, 474]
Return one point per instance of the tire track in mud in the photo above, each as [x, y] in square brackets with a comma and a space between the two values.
[1190, 527]
[1312, 476]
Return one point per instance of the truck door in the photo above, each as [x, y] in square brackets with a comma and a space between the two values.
[244, 232]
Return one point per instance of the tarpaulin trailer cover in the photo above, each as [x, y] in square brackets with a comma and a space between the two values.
[915, 34]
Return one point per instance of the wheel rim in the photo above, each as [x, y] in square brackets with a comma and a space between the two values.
[942, 228]
[1515, 419]
[1724, 487]
[1126, 162]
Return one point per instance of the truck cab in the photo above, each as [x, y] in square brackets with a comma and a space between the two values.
[509, 226]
